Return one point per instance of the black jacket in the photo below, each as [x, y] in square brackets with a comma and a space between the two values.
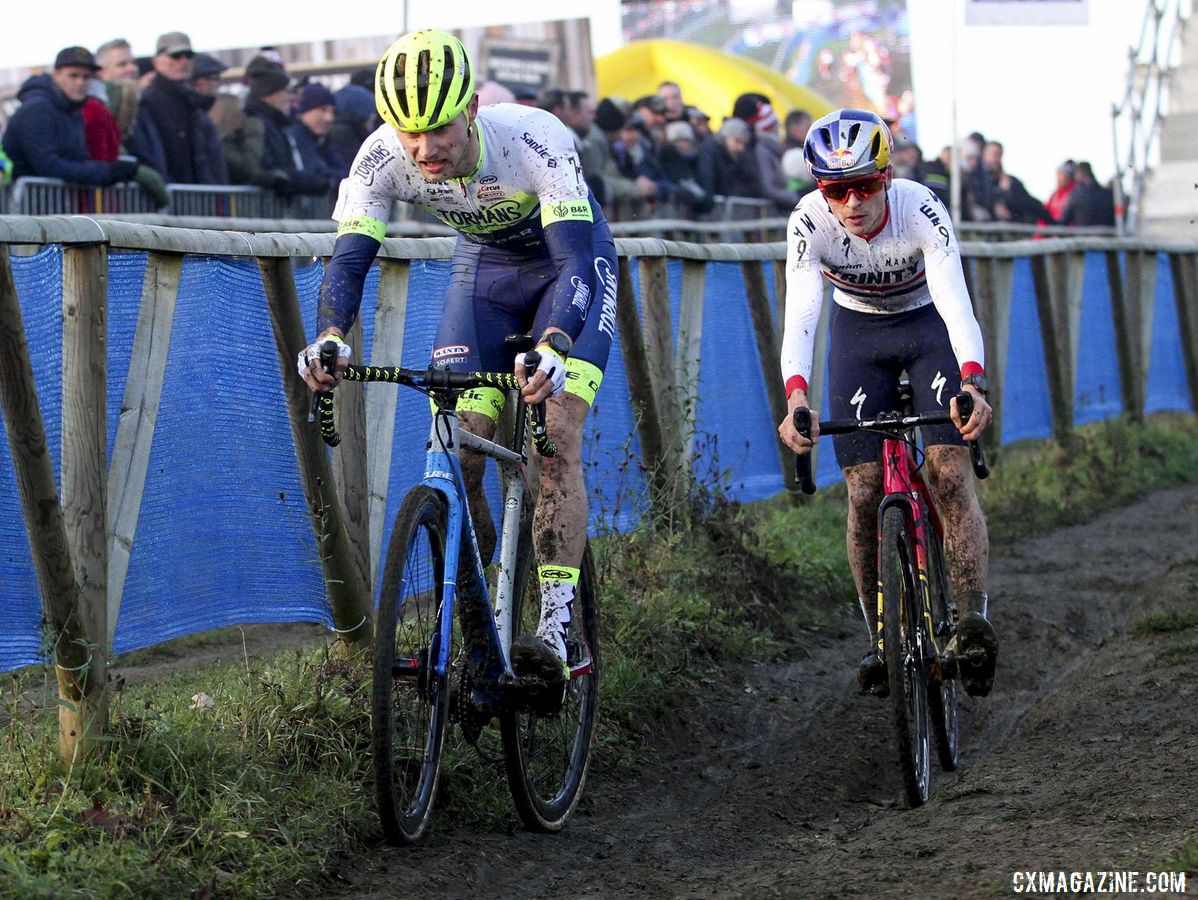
[45, 138]
[171, 114]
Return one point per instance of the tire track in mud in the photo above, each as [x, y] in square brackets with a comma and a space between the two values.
[788, 786]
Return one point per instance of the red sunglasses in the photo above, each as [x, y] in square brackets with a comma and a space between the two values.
[862, 187]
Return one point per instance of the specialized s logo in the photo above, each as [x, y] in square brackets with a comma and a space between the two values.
[938, 384]
[371, 160]
[858, 401]
[607, 284]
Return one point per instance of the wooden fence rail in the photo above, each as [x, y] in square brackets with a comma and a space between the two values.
[83, 539]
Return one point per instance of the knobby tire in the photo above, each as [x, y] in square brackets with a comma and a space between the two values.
[901, 634]
[942, 691]
[410, 710]
[547, 758]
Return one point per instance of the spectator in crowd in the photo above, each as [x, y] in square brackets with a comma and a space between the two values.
[794, 167]
[680, 167]
[795, 129]
[671, 95]
[320, 169]
[701, 122]
[491, 92]
[1090, 204]
[610, 115]
[124, 101]
[354, 118]
[205, 81]
[145, 70]
[730, 170]
[650, 111]
[1001, 195]
[5, 169]
[755, 110]
[907, 160]
[269, 101]
[576, 110]
[45, 136]
[526, 95]
[636, 160]
[937, 175]
[116, 62]
[1055, 204]
[170, 112]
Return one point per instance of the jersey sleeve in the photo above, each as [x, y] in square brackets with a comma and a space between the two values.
[804, 298]
[558, 180]
[946, 283]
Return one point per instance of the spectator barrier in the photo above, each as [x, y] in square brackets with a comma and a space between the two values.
[166, 496]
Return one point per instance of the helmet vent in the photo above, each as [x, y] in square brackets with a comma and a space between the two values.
[854, 130]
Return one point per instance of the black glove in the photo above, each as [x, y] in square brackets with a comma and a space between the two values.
[124, 169]
[153, 186]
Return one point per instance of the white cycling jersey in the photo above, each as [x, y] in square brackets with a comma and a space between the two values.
[911, 261]
[527, 162]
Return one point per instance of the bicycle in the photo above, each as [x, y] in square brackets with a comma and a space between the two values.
[917, 616]
[432, 667]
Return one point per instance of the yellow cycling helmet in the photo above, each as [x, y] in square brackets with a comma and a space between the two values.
[424, 81]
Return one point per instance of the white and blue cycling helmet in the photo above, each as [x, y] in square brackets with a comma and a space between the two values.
[847, 144]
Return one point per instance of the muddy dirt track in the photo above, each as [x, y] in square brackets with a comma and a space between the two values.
[1085, 757]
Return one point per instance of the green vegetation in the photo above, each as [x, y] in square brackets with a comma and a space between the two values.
[255, 794]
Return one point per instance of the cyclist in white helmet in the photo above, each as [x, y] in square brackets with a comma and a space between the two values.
[534, 253]
[901, 305]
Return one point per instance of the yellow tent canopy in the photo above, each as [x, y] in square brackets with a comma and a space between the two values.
[709, 78]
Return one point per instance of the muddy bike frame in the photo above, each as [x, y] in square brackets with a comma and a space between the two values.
[431, 679]
[925, 631]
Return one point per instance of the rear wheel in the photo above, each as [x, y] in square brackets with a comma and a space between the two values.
[942, 690]
[904, 638]
[410, 699]
[547, 757]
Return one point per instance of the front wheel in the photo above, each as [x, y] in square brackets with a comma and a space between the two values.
[547, 757]
[942, 692]
[410, 699]
[904, 639]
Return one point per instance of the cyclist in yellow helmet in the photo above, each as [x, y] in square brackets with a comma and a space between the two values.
[534, 253]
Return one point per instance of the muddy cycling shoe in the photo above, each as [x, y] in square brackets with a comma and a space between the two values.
[976, 652]
[871, 675]
[541, 674]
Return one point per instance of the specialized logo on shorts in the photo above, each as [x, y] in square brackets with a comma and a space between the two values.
[607, 283]
[371, 161]
[938, 384]
[556, 574]
[451, 350]
[582, 296]
[858, 401]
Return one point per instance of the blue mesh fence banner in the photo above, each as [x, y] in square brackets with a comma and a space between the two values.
[224, 536]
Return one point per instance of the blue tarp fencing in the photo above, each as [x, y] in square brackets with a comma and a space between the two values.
[224, 536]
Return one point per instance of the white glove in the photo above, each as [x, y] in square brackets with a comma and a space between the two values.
[311, 353]
[552, 365]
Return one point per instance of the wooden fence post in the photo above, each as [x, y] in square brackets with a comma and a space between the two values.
[1058, 281]
[769, 354]
[351, 606]
[1132, 301]
[991, 295]
[686, 357]
[1185, 295]
[139, 415]
[78, 677]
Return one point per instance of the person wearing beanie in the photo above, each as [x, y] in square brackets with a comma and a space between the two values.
[727, 166]
[756, 112]
[355, 117]
[269, 102]
[320, 169]
[45, 136]
[680, 165]
[176, 120]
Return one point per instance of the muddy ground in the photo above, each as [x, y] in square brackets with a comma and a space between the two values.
[1085, 757]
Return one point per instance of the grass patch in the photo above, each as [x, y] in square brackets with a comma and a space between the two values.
[257, 794]
[1167, 622]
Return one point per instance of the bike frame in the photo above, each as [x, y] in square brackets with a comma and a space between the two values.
[903, 485]
[443, 473]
